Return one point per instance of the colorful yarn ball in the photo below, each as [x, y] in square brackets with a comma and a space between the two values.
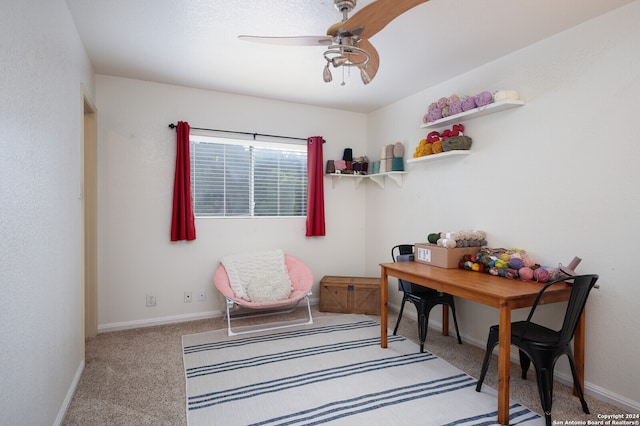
[494, 271]
[541, 275]
[528, 261]
[554, 274]
[501, 264]
[512, 274]
[515, 263]
[525, 273]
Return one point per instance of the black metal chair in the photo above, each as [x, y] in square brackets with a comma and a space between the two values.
[423, 298]
[544, 346]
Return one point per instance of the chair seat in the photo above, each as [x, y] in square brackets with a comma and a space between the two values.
[535, 333]
[427, 293]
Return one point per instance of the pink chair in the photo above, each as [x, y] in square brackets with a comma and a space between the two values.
[301, 281]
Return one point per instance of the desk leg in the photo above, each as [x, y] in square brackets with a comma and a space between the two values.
[578, 350]
[504, 364]
[384, 296]
[445, 320]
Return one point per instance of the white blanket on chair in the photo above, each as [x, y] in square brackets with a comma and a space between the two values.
[261, 274]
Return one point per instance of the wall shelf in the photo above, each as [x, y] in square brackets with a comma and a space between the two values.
[476, 112]
[379, 178]
[452, 153]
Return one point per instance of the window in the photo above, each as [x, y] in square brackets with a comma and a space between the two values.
[247, 178]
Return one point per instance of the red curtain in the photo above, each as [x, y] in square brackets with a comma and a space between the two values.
[315, 188]
[183, 225]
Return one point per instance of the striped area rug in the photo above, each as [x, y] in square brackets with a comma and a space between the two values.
[333, 371]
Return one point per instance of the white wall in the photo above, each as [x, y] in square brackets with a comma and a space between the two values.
[557, 177]
[43, 66]
[136, 156]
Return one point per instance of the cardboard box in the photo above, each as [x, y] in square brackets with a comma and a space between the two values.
[441, 257]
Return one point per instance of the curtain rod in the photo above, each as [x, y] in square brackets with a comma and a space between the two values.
[173, 126]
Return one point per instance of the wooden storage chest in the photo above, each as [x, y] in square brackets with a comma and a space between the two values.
[356, 295]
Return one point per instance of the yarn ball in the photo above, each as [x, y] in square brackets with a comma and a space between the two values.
[442, 102]
[433, 136]
[501, 264]
[398, 149]
[483, 98]
[436, 147]
[528, 261]
[515, 263]
[512, 274]
[447, 243]
[433, 238]
[455, 108]
[468, 103]
[541, 275]
[456, 142]
[435, 115]
[525, 273]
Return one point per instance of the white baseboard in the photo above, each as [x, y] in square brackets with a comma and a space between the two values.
[151, 322]
[602, 394]
[67, 399]
[590, 389]
[117, 326]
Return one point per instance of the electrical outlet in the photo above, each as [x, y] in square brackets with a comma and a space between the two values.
[202, 296]
[151, 300]
[187, 297]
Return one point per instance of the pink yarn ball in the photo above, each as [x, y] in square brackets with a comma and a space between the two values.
[528, 261]
[541, 275]
[526, 273]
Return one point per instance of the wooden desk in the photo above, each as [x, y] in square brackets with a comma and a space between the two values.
[489, 290]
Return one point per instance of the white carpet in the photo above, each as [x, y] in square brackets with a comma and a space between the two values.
[333, 371]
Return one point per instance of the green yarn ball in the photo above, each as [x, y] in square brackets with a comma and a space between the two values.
[433, 238]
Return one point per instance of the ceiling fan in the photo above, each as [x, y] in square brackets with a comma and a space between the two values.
[347, 41]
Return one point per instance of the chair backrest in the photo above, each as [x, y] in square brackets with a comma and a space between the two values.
[401, 249]
[404, 253]
[580, 288]
[300, 274]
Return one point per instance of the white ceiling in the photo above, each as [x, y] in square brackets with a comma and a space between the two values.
[194, 43]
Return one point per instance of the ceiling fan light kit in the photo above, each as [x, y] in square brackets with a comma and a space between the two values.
[348, 40]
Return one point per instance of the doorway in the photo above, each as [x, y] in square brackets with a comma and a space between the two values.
[90, 217]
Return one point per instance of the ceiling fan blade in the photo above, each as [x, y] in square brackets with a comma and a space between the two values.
[374, 61]
[289, 41]
[377, 15]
